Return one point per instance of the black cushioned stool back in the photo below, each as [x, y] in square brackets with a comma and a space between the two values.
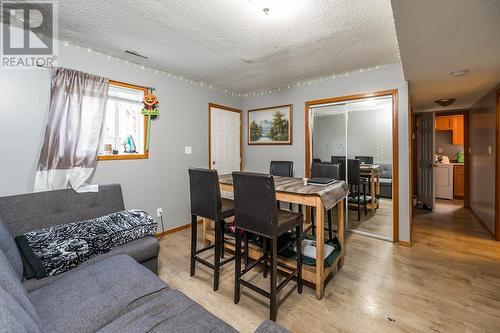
[205, 193]
[255, 203]
[281, 168]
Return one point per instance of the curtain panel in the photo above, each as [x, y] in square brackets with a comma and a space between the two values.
[77, 109]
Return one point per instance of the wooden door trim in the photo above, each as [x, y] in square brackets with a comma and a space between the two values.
[395, 145]
[226, 108]
[497, 167]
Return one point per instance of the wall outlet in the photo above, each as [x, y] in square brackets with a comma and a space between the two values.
[159, 212]
[188, 150]
[440, 150]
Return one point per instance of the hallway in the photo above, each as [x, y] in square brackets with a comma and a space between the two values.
[453, 228]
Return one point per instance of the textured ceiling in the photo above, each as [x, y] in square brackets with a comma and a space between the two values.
[230, 43]
[439, 37]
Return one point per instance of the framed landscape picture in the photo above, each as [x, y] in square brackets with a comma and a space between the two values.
[270, 126]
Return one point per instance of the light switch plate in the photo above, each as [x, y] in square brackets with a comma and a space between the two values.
[489, 150]
[188, 150]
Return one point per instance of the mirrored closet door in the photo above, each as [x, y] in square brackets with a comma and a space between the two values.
[357, 136]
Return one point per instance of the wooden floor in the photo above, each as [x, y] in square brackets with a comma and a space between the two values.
[378, 223]
[448, 281]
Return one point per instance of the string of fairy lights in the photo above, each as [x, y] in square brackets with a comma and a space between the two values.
[212, 87]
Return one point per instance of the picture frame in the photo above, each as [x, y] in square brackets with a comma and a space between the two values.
[270, 126]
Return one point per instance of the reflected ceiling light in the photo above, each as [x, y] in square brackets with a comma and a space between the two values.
[459, 73]
[445, 101]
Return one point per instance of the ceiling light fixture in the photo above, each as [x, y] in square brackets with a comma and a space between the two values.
[445, 101]
[277, 9]
[459, 73]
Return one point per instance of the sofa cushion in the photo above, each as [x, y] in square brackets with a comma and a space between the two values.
[87, 299]
[17, 313]
[385, 170]
[168, 311]
[142, 249]
[13, 317]
[9, 248]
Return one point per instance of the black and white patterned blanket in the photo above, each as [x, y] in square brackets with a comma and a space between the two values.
[54, 250]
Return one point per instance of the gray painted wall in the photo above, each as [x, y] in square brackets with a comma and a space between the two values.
[444, 140]
[482, 164]
[160, 181]
[257, 158]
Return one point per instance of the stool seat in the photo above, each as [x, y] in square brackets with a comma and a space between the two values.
[288, 220]
[227, 208]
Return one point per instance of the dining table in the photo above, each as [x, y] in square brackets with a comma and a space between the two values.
[373, 172]
[322, 198]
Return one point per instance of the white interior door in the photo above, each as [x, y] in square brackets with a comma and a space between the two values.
[224, 140]
[425, 156]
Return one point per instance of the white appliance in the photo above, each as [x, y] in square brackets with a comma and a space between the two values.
[443, 181]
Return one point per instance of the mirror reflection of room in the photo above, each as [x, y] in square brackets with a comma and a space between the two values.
[357, 135]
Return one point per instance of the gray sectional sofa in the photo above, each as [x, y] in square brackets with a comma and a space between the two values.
[110, 293]
[385, 170]
[28, 212]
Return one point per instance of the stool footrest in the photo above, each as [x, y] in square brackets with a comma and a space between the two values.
[255, 288]
[204, 249]
[252, 265]
[204, 262]
[288, 278]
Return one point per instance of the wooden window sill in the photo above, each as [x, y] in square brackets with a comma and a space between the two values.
[123, 157]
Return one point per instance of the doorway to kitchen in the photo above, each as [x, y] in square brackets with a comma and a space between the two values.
[440, 160]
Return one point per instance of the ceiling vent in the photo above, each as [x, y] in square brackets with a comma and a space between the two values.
[135, 54]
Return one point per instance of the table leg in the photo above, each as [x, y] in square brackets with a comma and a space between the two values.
[372, 192]
[206, 227]
[378, 189]
[320, 243]
[340, 230]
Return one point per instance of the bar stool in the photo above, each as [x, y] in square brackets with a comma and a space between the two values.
[355, 182]
[256, 212]
[284, 169]
[206, 202]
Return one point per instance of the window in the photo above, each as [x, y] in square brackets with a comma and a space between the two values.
[124, 130]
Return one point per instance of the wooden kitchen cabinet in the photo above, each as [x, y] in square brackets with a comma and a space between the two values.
[458, 181]
[453, 123]
[444, 123]
[458, 130]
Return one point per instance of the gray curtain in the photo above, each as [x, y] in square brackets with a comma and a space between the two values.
[77, 109]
